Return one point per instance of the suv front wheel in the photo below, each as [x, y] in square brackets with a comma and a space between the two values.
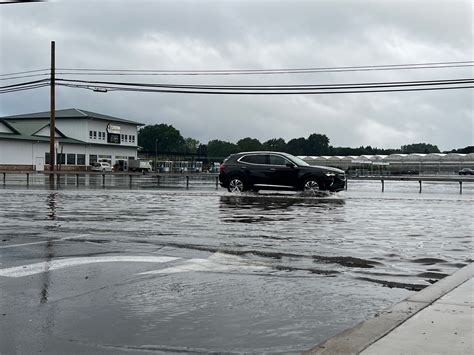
[312, 184]
[236, 184]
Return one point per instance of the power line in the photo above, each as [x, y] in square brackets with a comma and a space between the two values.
[278, 87]
[313, 92]
[23, 88]
[263, 72]
[25, 76]
[23, 72]
[138, 72]
[24, 83]
[432, 65]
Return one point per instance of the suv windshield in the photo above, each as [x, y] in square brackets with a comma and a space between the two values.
[296, 160]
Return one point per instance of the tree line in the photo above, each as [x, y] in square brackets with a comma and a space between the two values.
[164, 139]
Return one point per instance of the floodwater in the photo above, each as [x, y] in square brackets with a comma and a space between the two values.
[169, 269]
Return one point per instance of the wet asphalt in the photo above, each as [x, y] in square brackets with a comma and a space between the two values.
[170, 271]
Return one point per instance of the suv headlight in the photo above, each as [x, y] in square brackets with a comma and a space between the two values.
[329, 174]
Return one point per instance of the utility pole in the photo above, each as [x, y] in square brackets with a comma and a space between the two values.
[52, 132]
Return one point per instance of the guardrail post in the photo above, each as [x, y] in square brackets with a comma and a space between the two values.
[58, 179]
[27, 179]
[345, 187]
[217, 182]
[103, 179]
[419, 181]
[4, 178]
[77, 179]
[383, 187]
[460, 187]
[187, 182]
[157, 180]
[130, 180]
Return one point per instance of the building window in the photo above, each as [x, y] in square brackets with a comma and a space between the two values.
[71, 159]
[60, 158]
[100, 135]
[92, 159]
[90, 134]
[103, 136]
[81, 159]
[130, 138]
[46, 158]
[95, 134]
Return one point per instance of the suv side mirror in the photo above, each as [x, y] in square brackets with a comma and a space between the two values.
[290, 165]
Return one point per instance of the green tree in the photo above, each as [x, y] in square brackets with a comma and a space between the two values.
[297, 146]
[317, 144]
[425, 148]
[191, 145]
[249, 144]
[465, 150]
[161, 137]
[275, 144]
[220, 149]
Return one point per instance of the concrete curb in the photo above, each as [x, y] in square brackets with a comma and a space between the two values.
[358, 338]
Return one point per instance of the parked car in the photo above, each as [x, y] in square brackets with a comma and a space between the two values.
[277, 171]
[101, 166]
[466, 171]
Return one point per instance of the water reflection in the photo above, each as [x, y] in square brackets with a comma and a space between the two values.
[276, 201]
[261, 208]
[49, 248]
[51, 203]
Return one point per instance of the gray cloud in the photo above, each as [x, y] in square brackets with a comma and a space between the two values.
[255, 34]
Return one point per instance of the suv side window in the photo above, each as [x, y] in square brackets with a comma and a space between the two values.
[254, 159]
[277, 160]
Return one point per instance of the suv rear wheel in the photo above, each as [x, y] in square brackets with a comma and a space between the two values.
[236, 184]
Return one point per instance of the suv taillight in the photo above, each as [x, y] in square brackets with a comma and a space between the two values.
[221, 167]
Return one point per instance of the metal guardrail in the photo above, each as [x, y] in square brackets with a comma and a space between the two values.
[55, 177]
[420, 178]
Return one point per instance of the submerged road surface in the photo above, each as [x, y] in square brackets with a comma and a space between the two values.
[170, 270]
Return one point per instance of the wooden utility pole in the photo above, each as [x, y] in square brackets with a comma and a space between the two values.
[52, 132]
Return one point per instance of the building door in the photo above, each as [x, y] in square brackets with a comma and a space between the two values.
[39, 163]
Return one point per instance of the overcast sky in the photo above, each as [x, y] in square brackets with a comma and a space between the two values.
[255, 35]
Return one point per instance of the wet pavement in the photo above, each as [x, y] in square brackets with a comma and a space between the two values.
[159, 270]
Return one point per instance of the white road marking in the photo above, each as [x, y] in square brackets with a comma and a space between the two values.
[42, 242]
[32, 269]
[215, 263]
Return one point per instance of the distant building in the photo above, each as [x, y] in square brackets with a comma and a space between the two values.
[82, 138]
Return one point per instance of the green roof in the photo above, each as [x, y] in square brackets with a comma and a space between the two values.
[25, 137]
[70, 113]
[28, 127]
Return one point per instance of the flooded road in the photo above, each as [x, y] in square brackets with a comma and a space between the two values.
[159, 270]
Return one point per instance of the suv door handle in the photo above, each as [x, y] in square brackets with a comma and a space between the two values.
[272, 169]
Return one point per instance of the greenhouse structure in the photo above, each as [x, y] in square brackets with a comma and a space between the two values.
[434, 163]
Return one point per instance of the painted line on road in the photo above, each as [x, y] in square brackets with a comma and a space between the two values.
[37, 268]
[42, 242]
[217, 262]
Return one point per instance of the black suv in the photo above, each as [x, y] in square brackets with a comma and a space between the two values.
[277, 171]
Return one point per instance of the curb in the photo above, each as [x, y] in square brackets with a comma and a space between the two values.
[361, 336]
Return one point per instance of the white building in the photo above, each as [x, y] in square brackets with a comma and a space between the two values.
[82, 138]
